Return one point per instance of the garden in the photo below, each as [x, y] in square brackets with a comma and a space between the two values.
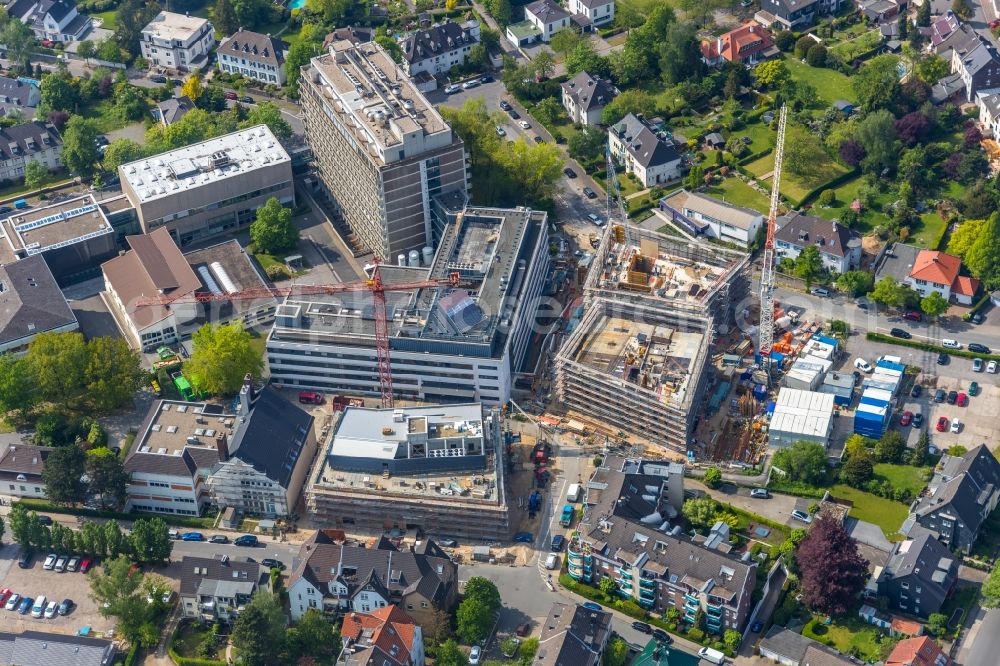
[850, 635]
[198, 641]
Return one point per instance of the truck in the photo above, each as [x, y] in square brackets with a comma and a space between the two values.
[713, 656]
[341, 402]
[573, 494]
[534, 502]
[567, 516]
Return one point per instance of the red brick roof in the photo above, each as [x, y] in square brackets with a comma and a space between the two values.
[936, 267]
[966, 286]
[739, 43]
[389, 629]
[920, 651]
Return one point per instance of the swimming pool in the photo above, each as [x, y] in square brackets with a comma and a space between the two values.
[296, 4]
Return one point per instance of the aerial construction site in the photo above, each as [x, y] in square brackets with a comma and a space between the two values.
[639, 356]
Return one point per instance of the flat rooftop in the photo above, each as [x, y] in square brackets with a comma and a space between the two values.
[36, 230]
[648, 269]
[490, 248]
[226, 267]
[170, 25]
[363, 82]
[379, 432]
[200, 164]
[178, 424]
[654, 356]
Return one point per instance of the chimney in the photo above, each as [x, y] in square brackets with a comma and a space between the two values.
[222, 446]
[246, 395]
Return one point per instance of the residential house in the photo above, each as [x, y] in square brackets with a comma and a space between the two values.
[336, 577]
[177, 42]
[959, 498]
[573, 635]
[940, 29]
[21, 471]
[839, 247]
[216, 589]
[789, 648]
[921, 651]
[799, 14]
[919, 576]
[437, 49]
[733, 224]
[748, 45]
[253, 55]
[169, 111]
[598, 12]
[645, 152]
[31, 303]
[41, 648]
[548, 17]
[18, 97]
[978, 67]
[948, 36]
[881, 11]
[989, 113]
[386, 636]
[937, 271]
[263, 463]
[584, 98]
[36, 141]
[53, 20]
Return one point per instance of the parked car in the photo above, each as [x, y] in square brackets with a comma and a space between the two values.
[173, 534]
[991, 367]
[801, 515]
[501, 131]
[229, 94]
[451, 89]
[916, 391]
[248, 540]
[157, 78]
[44, 520]
[591, 194]
[642, 626]
[5, 595]
[760, 493]
[942, 424]
[247, 99]
[538, 139]
[13, 601]
[905, 418]
[513, 114]
[505, 105]
[558, 542]
[272, 563]
[862, 365]
[66, 607]
[469, 85]
[918, 420]
[73, 564]
[900, 333]
[192, 536]
[25, 606]
[977, 348]
[475, 655]
[952, 397]
[962, 400]
[61, 563]
[977, 318]
[524, 537]
[569, 172]
[913, 316]
[447, 543]
[26, 558]
[940, 395]
[662, 636]
[590, 605]
[523, 629]
[85, 565]
[218, 538]
[50, 562]
[974, 389]
[943, 359]
[756, 627]
[956, 425]
[948, 343]
[486, 78]
[593, 218]
[819, 291]
[977, 365]
[51, 609]
[525, 124]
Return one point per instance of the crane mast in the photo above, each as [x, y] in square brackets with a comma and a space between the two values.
[615, 194]
[766, 330]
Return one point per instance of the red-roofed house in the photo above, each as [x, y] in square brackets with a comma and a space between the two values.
[384, 637]
[917, 652]
[937, 271]
[748, 44]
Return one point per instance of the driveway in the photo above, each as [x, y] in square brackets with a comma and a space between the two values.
[777, 507]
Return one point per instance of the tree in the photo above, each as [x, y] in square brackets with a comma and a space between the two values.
[222, 357]
[876, 85]
[918, 457]
[991, 590]
[587, 145]
[964, 236]
[802, 461]
[983, 256]
[474, 616]
[149, 540]
[804, 155]
[809, 265]
[888, 292]
[855, 283]
[565, 40]
[833, 571]
[962, 9]
[583, 57]
[20, 43]
[816, 56]
[732, 639]
[803, 44]
[113, 373]
[258, 629]
[785, 40]
[890, 447]
[224, 17]
[17, 387]
[877, 135]
[924, 15]
[851, 153]
[912, 127]
[857, 469]
[607, 585]
[299, 55]
[121, 151]
[500, 10]
[713, 477]
[934, 305]
[771, 74]
[700, 511]
[106, 477]
[543, 64]
[449, 654]
[273, 232]
[20, 525]
[312, 637]
[193, 87]
[121, 592]
[132, 17]
[615, 653]
[62, 474]
[79, 152]
[634, 100]
[109, 50]
[680, 54]
[35, 175]
[59, 93]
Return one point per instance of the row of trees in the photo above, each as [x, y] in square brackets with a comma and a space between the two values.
[71, 474]
[977, 242]
[147, 541]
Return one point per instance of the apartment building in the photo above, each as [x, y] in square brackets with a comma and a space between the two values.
[209, 188]
[839, 247]
[18, 96]
[177, 42]
[437, 49]
[253, 55]
[216, 589]
[55, 20]
[574, 635]
[21, 470]
[448, 344]
[384, 637]
[597, 12]
[645, 152]
[364, 117]
[36, 141]
[584, 98]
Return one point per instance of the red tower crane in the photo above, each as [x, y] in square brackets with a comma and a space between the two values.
[373, 283]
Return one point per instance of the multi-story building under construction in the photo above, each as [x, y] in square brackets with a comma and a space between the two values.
[653, 304]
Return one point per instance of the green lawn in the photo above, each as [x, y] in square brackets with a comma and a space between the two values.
[735, 191]
[887, 514]
[104, 116]
[849, 635]
[930, 230]
[830, 85]
[846, 193]
[20, 188]
[962, 598]
[988, 543]
[110, 19]
[188, 639]
[762, 135]
[793, 187]
[851, 49]
[912, 478]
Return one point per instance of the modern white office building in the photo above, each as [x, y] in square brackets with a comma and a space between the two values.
[177, 42]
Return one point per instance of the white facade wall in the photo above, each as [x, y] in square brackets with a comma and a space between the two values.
[50, 157]
[598, 15]
[925, 287]
[176, 53]
[263, 72]
[833, 263]
[160, 493]
[547, 28]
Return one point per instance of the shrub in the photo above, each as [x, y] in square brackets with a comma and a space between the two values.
[695, 634]
[827, 198]
[278, 272]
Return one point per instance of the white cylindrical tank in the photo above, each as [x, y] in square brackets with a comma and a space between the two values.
[401, 260]
[428, 254]
[414, 259]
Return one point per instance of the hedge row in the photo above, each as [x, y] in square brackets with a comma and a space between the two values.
[753, 157]
[926, 346]
[132, 655]
[181, 521]
[189, 661]
[829, 185]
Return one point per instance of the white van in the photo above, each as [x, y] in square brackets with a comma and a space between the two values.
[862, 365]
[552, 561]
[948, 343]
[714, 656]
[39, 607]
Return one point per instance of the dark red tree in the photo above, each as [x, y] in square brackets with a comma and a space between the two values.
[972, 136]
[912, 127]
[58, 118]
[952, 164]
[833, 571]
[852, 152]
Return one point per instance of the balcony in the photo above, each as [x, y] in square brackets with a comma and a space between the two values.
[714, 610]
[647, 582]
[692, 600]
[647, 603]
[624, 574]
[644, 593]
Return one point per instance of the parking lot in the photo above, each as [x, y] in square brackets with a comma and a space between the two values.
[55, 586]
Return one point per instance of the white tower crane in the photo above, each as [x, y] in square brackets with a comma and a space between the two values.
[766, 331]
